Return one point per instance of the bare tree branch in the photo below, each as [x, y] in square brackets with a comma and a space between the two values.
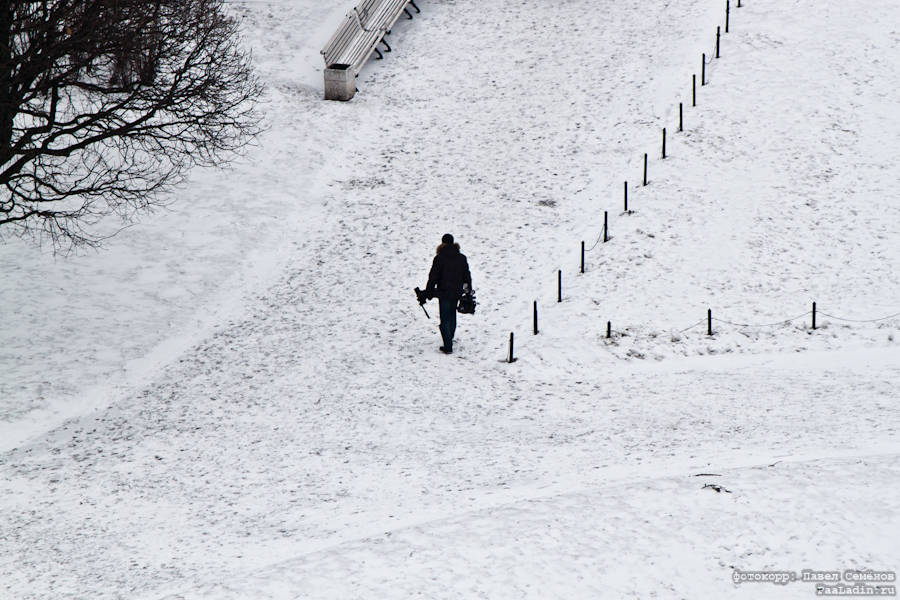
[104, 104]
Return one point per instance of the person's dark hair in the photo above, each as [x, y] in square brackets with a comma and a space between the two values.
[447, 239]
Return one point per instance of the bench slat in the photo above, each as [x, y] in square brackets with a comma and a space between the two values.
[360, 32]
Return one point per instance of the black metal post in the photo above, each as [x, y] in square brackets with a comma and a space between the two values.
[559, 287]
[605, 226]
[814, 315]
[703, 71]
[709, 321]
[664, 142]
[512, 357]
[582, 256]
[645, 168]
[626, 196]
[680, 116]
[727, 14]
[694, 94]
[535, 318]
[718, 37]
[608, 329]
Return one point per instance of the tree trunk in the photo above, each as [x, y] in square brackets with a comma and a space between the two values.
[7, 105]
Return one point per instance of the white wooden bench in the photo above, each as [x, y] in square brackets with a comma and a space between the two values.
[356, 39]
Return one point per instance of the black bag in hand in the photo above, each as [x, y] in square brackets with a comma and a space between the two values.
[467, 303]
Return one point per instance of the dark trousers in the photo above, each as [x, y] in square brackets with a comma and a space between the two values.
[448, 320]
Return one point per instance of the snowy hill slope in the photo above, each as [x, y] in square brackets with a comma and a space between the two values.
[307, 440]
[782, 191]
[80, 330]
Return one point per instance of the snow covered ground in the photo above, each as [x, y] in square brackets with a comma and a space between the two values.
[239, 398]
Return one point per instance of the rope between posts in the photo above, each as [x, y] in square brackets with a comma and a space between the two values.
[746, 325]
[634, 336]
[859, 320]
[599, 239]
[698, 323]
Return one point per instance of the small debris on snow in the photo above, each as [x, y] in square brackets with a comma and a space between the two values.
[716, 487]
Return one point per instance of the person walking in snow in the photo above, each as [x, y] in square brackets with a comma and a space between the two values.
[448, 279]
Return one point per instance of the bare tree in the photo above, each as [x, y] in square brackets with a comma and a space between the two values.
[106, 103]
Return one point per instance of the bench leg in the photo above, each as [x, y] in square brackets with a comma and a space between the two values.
[386, 45]
[380, 55]
[414, 6]
[408, 14]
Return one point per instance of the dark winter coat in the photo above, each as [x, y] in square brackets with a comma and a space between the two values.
[449, 271]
